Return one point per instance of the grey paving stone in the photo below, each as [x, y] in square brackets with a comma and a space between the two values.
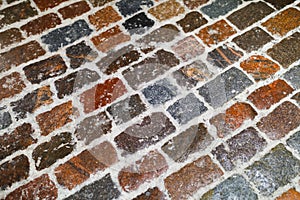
[293, 76]
[129, 7]
[5, 119]
[220, 7]
[294, 141]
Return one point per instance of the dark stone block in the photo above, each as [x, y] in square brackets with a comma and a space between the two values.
[192, 21]
[280, 4]
[129, 7]
[138, 24]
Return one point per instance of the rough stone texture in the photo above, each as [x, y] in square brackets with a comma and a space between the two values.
[5, 118]
[11, 85]
[250, 14]
[259, 67]
[74, 10]
[192, 4]
[187, 108]
[253, 40]
[66, 35]
[12, 171]
[224, 87]
[102, 94]
[127, 109]
[39, 188]
[129, 7]
[45, 5]
[55, 118]
[294, 141]
[149, 167]
[47, 153]
[9, 37]
[99, 3]
[138, 24]
[293, 76]
[220, 7]
[166, 10]
[235, 187]
[104, 17]
[280, 121]
[192, 21]
[239, 149]
[185, 182]
[274, 170]
[286, 52]
[233, 118]
[151, 130]
[291, 194]
[265, 96]
[280, 4]
[196, 138]
[104, 188]
[297, 98]
[151, 194]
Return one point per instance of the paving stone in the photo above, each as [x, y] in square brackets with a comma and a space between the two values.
[75, 81]
[20, 54]
[129, 7]
[39, 188]
[215, 33]
[12, 171]
[192, 4]
[259, 67]
[47, 153]
[193, 176]
[55, 118]
[99, 2]
[274, 170]
[253, 40]
[102, 94]
[280, 4]
[194, 139]
[16, 13]
[224, 56]
[66, 35]
[17, 140]
[151, 130]
[79, 168]
[293, 76]
[151, 194]
[297, 97]
[104, 188]
[283, 22]
[220, 7]
[109, 39]
[41, 24]
[294, 141]
[11, 85]
[265, 96]
[9, 37]
[286, 52]
[160, 92]
[74, 10]
[186, 109]
[280, 121]
[45, 5]
[127, 109]
[235, 187]
[188, 48]
[239, 149]
[5, 118]
[149, 167]
[192, 21]
[150, 68]
[166, 10]
[32, 101]
[118, 59]
[291, 194]
[138, 24]
[45, 69]
[233, 118]
[250, 14]
[104, 17]
[224, 87]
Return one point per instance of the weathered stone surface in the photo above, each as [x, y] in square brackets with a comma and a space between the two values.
[192, 21]
[192, 4]
[293, 76]
[104, 17]
[220, 7]
[129, 7]
[11, 85]
[44, 5]
[294, 141]
[138, 24]
[5, 118]
[74, 10]
[151, 194]
[9, 37]
[166, 10]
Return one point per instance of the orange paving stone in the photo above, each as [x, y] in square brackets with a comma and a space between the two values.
[104, 17]
[291, 194]
[166, 10]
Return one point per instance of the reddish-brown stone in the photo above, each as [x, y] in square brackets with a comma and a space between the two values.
[74, 10]
[291, 194]
[104, 17]
[9, 37]
[192, 21]
[151, 194]
[167, 10]
[11, 85]
[266, 96]
[45, 4]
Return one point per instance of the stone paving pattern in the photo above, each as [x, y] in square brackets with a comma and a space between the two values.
[150, 99]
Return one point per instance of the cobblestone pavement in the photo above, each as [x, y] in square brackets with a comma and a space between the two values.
[150, 99]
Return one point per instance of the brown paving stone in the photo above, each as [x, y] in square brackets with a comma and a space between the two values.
[166, 10]
[104, 17]
[99, 2]
[259, 67]
[297, 97]
[74, 10]
[280, 121]
[79, 168]
[11, 85]
[287, 51]
[39, 188]
[280, 4]
[55, 118]
[283, 22]
[250, 14]
[192, 21]
[47, 153]
[102, 94]
[216, 33]
[19, 139]
[185, 182]
[291, 194]
[45, 4]
[266, 96]
[12, 171]
[151, 194]
[20, 54]
[149, 167]
[9, 37]
[192, 4]
[233, 118]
